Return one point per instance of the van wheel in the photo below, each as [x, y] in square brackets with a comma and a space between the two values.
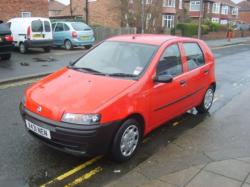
[46, 49]
[126, 141]
[5, 56]
[207, 101]
[22, 48]
[88, 46]
[68, 45]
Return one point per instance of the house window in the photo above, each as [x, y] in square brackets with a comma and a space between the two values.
[168, 21]
[168, 3]
[235, 11]
[216, 8]
[148, 18]
[224, 10]
[195, 5]
[223, 21]
[180, 4]
[149, 2]
[215, 20]
[25, 14]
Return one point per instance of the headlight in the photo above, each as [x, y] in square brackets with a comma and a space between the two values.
[84, 119]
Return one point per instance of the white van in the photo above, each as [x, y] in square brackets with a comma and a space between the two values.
[32, 32]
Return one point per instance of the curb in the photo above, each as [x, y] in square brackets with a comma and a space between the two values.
[23, 78]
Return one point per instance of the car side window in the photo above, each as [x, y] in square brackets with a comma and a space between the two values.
[66, 27]
[170, 62]
[59, 27]
[47, 26]
[194, 55]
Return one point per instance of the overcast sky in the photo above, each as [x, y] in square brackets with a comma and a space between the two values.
[66, 2]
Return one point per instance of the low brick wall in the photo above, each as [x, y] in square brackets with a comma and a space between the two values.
[223, 35]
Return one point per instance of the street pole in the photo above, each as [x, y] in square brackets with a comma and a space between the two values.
[142, 15]
[87, 11]
[200, 19]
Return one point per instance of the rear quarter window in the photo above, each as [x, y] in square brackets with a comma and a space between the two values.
[37, 26]
[194, 55]
[47, 26]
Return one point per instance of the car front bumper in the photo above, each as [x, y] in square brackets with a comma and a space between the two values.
[38, 43]
[74, 139]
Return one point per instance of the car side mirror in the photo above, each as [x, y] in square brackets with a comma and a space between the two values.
[163, 78]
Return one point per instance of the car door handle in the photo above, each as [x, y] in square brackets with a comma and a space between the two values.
[206, 71]
[182, 82]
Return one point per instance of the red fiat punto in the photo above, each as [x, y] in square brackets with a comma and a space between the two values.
[118, 92]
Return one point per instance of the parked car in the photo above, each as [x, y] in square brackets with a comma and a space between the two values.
[72, 34]
[32, 32]
[6, 42]
[241, 27]
[118, 92]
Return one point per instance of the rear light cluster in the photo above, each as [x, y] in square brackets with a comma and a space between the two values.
[8, 38]
[28, 33]
[74, 34]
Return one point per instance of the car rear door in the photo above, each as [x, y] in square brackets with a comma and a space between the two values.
[5, 37]
[37, 30]
[169, 99]
[47, 30]
[197, 74]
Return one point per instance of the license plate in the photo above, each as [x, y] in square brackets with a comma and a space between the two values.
[84, 37]
[37, 36]
[38, 130]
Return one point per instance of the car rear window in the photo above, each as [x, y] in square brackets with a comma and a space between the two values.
[47, 26]
[194, 54]
[37, 26]
[80, 26]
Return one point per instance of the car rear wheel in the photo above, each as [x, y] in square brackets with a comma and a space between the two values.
[46, 49]
[207, 101]
[22, 48]
[5, 56]
[88, 46]
[68, 45]
[126, 141]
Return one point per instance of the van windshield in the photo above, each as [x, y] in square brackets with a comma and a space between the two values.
[80, 26]
[37, 26]
[113, 58]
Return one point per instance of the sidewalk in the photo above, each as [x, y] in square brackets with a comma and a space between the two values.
[225, 42]
[215, 153]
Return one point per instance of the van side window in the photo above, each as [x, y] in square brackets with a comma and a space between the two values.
[170, 62]
[37, 26]
[66, 27]
[195, 57]
[53, 26]
[47, 26]
[59, 27]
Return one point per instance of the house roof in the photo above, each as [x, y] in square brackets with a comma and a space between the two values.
[77, 8]
[244, 6]
[55, 5]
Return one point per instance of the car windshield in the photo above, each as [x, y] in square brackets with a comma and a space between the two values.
[117, 59]
[80, 26]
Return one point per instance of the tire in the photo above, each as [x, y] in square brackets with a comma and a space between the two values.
[88, 46]
[68, 45]
[47, 49]
[126, 141]
[22, 48]
[207, 101]
[5, 56]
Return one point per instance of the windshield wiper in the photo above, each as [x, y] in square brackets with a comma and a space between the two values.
[122, 75]
[87, 69]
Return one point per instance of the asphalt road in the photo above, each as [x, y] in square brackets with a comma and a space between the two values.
[25, 162]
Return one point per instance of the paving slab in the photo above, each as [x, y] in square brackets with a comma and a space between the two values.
[246, 185]
[208, 179]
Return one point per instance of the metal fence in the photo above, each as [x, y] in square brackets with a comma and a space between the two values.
[102, 33]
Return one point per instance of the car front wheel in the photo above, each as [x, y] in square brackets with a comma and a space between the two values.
[127, 140]
[207, 101]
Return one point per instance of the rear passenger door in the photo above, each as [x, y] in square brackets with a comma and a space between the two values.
[58, 34]
[197, 71]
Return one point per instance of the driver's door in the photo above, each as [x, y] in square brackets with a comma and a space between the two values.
[168, 100]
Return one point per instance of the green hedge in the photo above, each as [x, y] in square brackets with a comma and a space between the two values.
[187, 29]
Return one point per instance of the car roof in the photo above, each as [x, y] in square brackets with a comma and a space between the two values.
[28, 18]
[151, 39]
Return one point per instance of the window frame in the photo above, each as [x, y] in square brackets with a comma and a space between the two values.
[169, 3]
[197, 4]
[164, 19]
[185, 54]
[25, 12]
[216, 8]
[181, 60]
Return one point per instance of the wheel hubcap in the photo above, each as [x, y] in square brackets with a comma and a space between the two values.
[68, 45]
[129, 140]
[208, 98]
[22, 48]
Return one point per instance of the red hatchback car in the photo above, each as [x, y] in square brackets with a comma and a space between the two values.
[118, 92]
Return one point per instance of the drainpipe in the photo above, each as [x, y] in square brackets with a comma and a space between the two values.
[142, 15]
[200, 19]
[87, 11]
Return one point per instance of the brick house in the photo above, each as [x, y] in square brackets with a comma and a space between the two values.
[55, 8]
[244, 11]
[219, 11]
[23, 8]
